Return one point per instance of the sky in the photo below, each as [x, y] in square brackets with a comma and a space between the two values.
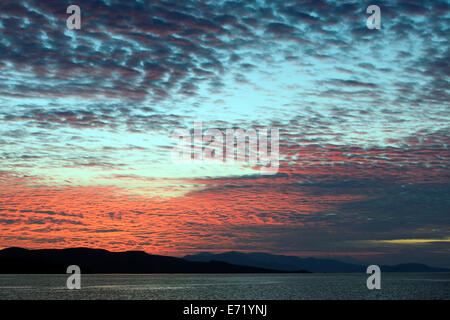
[87, 117]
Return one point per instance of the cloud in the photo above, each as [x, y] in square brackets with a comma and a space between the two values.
[410, 241]
[86, 118]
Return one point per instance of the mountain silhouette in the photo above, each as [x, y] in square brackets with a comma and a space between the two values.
[46, 261]
[281, 262]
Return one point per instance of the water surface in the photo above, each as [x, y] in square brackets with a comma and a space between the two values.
[227, 286]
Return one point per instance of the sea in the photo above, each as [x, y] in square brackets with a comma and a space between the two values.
[315, 286]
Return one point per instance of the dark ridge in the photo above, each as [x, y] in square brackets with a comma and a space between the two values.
[285, 263]
[47, 261]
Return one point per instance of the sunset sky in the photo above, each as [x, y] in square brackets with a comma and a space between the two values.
[86, 119]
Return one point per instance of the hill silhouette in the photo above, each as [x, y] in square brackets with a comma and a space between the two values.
[281, 262]
[47, 261]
